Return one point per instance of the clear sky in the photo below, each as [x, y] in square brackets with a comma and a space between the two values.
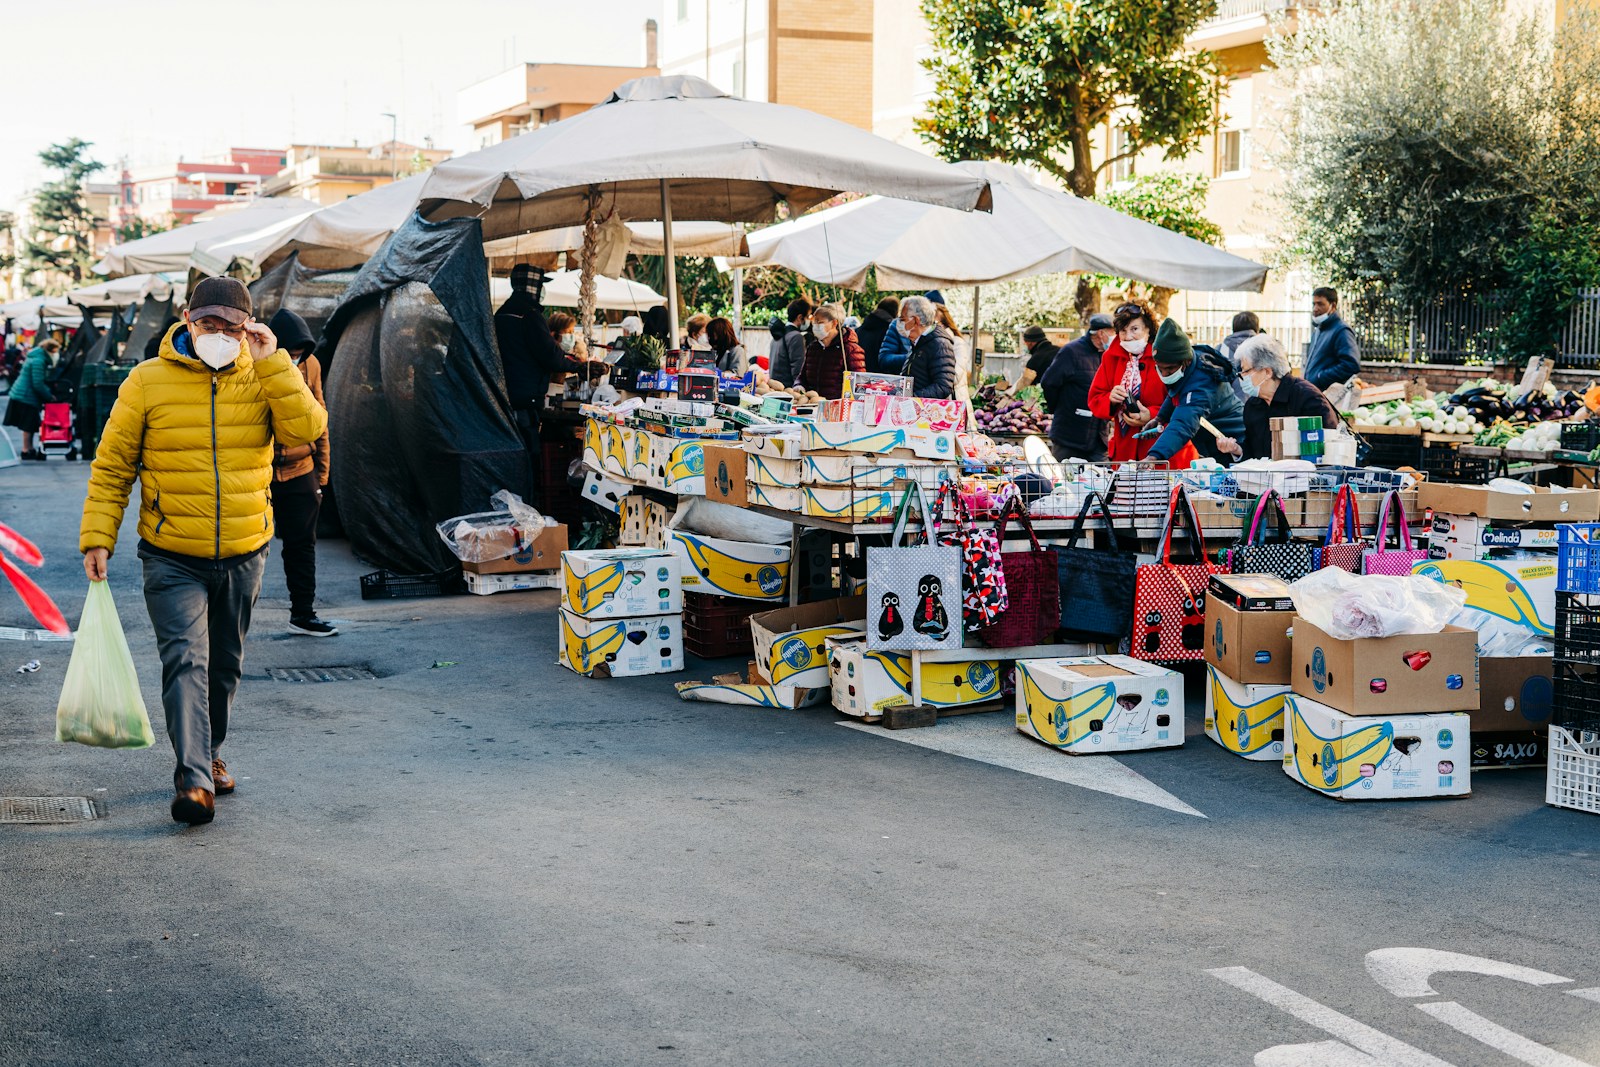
[156, 79]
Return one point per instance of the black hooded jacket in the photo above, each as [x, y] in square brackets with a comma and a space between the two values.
[291, 331]
[528, 353]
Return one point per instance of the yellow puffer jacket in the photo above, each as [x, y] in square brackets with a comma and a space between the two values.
[200, 443]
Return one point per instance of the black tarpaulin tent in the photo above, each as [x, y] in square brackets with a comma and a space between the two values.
[419, 425]
[311, 294]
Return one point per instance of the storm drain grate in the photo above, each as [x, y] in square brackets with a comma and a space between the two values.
[320, 674]
[47, 809]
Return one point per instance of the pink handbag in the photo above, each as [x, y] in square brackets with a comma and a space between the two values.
[1392, 561]
[1344, 547]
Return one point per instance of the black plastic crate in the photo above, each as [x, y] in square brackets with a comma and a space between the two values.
[1576, 705]
[1445, 463]
[1577, 635]
[718, 626]
[1393, 450]
[1580, 436]
[386, 585]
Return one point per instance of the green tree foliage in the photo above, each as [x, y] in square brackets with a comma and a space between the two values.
[60, 248]
[8, 248]
[139, 226]
[1034, 82]
[1439, 146]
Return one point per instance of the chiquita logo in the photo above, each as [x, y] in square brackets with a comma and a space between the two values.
[981, 677]
[1319, 670]
[796, 653]
[1330, 765]
[769, 580]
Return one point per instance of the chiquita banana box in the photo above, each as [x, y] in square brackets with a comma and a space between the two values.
[620, 648]
[848, 505]
[638, 455]
[722, 567]
[1247, 720]
[621, 582]
[1368, 757]
[594, 444]
[677, 465]
[865, 683]
[1091, 704]
[791, 644]
[859, 472]
[769, 471]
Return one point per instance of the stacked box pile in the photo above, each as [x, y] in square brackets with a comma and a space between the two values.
[621, 613]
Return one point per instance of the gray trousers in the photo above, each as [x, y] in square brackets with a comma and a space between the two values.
[201, 613]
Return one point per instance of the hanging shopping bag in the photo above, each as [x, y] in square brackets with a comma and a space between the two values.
[100, 700]
[1344, 546]
[1169, 599]
[913, 590]
[1033, 610]
[1261, 552]
[983, 580]
[1096, 584]
[1392, 561]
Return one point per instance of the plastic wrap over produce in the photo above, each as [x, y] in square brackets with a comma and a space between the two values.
[491, 535]
[1347, 606]
[419, 426]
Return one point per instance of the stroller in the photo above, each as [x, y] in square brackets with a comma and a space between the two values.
[56, 428]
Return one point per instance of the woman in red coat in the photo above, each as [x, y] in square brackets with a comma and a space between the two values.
[1127, 391]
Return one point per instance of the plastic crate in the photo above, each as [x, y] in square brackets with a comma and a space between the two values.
[1393, 450]
[1444, 463]
[1580, 436]
[386, 585]
[1573, 778]
[1575, 703]
[717, 626]
[1578, 565]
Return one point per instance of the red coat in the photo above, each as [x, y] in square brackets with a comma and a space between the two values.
[825, 366]
[1123, 446]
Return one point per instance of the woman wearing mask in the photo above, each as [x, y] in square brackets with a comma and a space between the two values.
[1273, 393]
[564, 328]
[694, 333]
[1126, 390]
[832, 350]
[724, 344]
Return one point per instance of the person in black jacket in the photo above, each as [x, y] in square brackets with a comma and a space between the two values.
[931, 366]
[1274, 394]
[871, 332]
[528, 353]
[789, 340]
[1075, 433]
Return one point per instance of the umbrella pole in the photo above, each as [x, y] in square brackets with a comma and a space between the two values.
[738, 301]
[672, 265]
[974, 374]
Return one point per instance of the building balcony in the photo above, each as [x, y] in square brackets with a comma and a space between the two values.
[1242, 22]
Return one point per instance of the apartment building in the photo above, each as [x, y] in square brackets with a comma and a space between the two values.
[327, 174]
[175, 193]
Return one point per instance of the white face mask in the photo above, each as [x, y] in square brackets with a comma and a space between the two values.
[216, 350]
[1134, 348]
[821, 331]
[1318, 320]
[1172, 380]
[568, 342]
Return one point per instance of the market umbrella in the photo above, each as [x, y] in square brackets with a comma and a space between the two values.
[170, 250]
[130, 290]
[561, 291]
[1033, 229]
[665, 147]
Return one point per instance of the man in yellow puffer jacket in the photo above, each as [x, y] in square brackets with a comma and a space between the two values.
[196, 426]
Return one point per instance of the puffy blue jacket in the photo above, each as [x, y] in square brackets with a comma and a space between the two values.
[1334, 356]
[32, 386]
[1201, 393]
[894, 350]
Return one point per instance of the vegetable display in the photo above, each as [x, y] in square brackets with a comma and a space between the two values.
[998, 413]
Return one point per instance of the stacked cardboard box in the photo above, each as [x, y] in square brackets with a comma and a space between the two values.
[1298, 438]
[621, 612]
[1247, 663]
[1091, 704]
[842, 471]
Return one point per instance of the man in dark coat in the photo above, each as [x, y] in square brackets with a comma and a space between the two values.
[1334, 355]
[1075, 433]
[877, 325]
[788, 358]
[1274, 394]
[1245, 326]
[1197, 388]
[931, 366]
[530, 356]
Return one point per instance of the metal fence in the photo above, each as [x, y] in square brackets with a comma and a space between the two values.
[1451, 331]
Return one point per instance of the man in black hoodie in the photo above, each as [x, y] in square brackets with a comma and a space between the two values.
[530, 356]
[299, 476]
[871, 332]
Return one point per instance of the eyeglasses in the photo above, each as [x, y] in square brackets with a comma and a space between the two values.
[1130, 307]
[235, 332]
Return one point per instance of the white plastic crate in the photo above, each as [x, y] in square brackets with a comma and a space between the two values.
[1573, 780]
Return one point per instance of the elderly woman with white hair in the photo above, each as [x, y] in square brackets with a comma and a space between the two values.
[931, 366]
[1273, 394]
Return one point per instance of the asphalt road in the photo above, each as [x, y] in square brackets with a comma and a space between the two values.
[499, 862]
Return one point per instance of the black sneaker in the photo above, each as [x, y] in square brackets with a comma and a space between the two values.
[36, 454]
[311, 626]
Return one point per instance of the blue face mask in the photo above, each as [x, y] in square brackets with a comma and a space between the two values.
[1248, 387]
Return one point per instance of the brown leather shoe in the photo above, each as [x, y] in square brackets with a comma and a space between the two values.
[193, 806]
[221, 778]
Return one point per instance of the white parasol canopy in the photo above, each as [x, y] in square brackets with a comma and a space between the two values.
[28, 311]
[129, 290]
[1032, 230]
[666, 146]
[170, 250]
[561, 291]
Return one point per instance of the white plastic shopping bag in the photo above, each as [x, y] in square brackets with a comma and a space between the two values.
[100, 700]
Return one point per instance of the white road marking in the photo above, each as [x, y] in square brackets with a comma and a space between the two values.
[1586, 994]
[1315, 1054]
[994, 739]
[1498, 1037]
[1405, 971]
[1387, 1050]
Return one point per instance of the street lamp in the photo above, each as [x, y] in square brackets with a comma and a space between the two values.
[394, 134]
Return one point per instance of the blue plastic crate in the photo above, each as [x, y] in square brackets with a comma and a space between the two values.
[1579, 564]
